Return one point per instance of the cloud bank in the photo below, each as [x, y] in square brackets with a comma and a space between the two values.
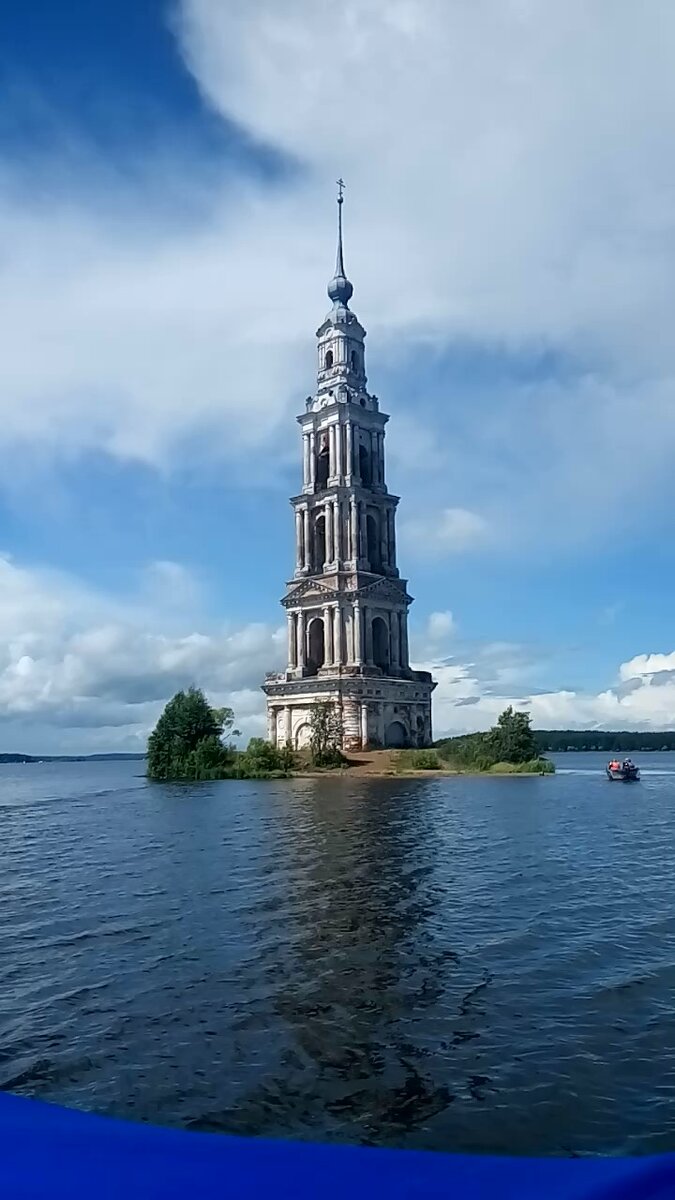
[81, 671]
[510, 188]
[510, 183]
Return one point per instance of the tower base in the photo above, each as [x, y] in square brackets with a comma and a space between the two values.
[377, 710]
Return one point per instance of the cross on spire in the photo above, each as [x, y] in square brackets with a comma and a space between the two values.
[339, 288]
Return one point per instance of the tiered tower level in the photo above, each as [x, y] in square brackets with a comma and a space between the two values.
[347, 606]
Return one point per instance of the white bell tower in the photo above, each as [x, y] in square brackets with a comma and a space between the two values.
[347, 606]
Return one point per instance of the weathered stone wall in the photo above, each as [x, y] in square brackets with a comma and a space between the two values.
[376, 711]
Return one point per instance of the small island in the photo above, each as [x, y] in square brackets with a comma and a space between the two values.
[194, 741]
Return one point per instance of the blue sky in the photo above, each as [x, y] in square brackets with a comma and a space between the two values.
[166, 216]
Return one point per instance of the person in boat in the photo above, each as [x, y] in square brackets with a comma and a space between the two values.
[615, 765]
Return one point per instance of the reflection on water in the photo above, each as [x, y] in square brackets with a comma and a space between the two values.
[480, 964]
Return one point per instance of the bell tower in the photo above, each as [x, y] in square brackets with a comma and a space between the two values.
[347, 607]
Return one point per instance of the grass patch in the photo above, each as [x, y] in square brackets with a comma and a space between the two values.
[536, 766]
[417, 760]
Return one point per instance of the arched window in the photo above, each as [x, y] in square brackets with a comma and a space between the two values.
[373, 540]
[381, 643]
[315, 645]
[319, 556]
[329, 359]
[365, 470]
[354, 360]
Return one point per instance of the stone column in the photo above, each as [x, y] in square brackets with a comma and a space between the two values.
[337, 548]
[305, 538]
[287, 723]
[300, 639]
[354, 529]
[331, 451]
[364, 726]
[312, 459]
[327, 637]
[356, 465]
[381, 441]
[358, 637]
[339, 436]
[395, 641]
[299, 549]
[403, 617]
[368, 622]
[305, 460]
[292, 641]
[392, 538]
[349, 467]
[272, 725]
[363, 533]
[328, 526]
[338, 641]
[384, 539]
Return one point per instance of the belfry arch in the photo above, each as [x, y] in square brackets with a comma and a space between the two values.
[316, 652]
[373, 543]
[381, 643]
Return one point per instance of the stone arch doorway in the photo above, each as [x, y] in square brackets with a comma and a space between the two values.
[319, 544]
[380, 643]
[396, 734]
[373, 542]
[302, 736]
[315, 645]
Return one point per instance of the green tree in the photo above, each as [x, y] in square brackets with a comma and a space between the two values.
[512, 740]
[326, 734]
[186, 742]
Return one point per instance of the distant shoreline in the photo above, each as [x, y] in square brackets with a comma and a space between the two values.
[44, 758]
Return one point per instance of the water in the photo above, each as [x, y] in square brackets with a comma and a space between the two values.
[475, 964]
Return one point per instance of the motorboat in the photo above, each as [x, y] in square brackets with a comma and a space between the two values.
[625, 772]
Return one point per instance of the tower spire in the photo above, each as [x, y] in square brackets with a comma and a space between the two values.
[340, 290]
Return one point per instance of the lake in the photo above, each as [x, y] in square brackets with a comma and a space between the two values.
[461, 964]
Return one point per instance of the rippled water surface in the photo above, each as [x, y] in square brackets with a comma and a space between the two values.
[478, 964]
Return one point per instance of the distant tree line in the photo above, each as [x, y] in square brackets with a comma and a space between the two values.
[70, 758]
[608, 741]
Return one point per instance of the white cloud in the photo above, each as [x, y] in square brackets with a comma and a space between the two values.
[510, 183]
[79, 670]
[471, 694]
[439, 534]
[440, 625]
[646, 665]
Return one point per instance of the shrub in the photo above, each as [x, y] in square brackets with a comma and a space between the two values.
[262, 760]
[326, 734]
